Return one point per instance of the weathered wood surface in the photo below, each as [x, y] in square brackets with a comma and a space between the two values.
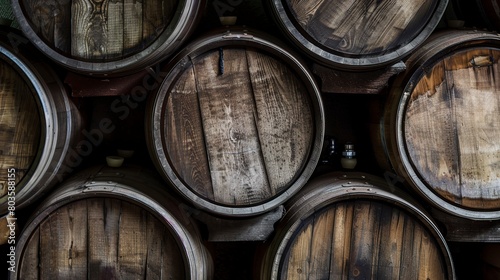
[354, 226]
[20, 125]
[369, 82]
[357, 35]
[52, 20]
[101, 238]
[38, 123]
[363, 239]
[441, 123]
[362, 27]
[111, 223]
[99, 30]
[452, 127]
[246, 133]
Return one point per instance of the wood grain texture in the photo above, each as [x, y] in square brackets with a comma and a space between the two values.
[109, 223]
[156, 16]
[80, 33]
[282, 116]
[361, 27]
[227, 109]
[99, 30]
[38, 124]
[379, 241]
[51, 20]
[133, 243]
[101, 238]
[103, 230]
[184, 128]
[32, 259]
[118, 18]
[247, 132]
[163, 256]
[355, 226]
[20, 125]
[63, 248]
[452, 127]
[342, 222]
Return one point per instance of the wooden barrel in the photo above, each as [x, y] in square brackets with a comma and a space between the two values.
[237, 124]
[97, 37]
[358, 35]
[38, 125]
[479, 13]
[442, 123]
[355, 226]
[109, 223]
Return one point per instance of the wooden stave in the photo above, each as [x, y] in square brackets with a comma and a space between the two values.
[329, 189]
[390, 136]
[343, 61]
[61, 123]
[232, 37]
[164, 45]
[136, 186]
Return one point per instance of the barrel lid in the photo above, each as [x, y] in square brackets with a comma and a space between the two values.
[107, 38]
[142, 194]
[358, 35]
[446, 115]
[342, 219]
[253, 129]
